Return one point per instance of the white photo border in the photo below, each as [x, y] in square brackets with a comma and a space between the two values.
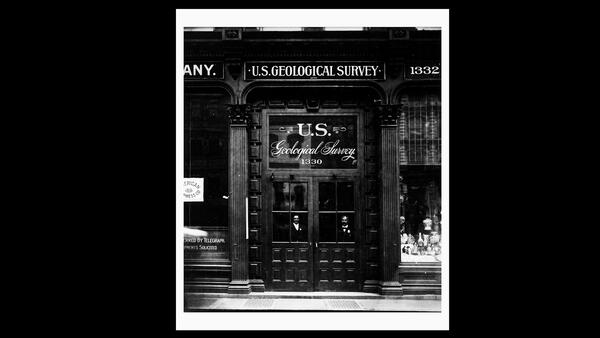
[311, 18]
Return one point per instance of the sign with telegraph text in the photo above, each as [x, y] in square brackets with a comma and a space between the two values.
[213, 244]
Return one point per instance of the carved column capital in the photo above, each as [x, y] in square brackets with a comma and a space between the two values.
[387, 115]
[239, 114]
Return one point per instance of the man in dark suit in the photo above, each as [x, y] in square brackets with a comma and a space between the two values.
[346, 234]
[299, 231]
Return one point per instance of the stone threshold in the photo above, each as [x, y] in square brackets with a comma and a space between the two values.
[312, 295]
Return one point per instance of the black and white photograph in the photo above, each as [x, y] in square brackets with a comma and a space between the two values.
[312, 169]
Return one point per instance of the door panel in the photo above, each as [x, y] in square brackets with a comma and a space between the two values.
[322, 254]
[337, 267]
[335, 227]
[291, 250]
[292, 267]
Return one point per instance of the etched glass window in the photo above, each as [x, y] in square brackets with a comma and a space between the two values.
[312, 142]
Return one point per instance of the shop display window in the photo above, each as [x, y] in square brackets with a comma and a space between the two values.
[419, 144]
[206, 151]
[421, 220]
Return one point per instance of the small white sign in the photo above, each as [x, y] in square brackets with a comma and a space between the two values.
[193, 189]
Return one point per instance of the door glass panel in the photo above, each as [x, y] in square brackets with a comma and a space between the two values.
[299, 227]
[281, 229]
[336, 212]
[345, 195]
[345, 227]
[281, 196]
[326, 227]
[299, 196]
[290, 201]
[326, 196]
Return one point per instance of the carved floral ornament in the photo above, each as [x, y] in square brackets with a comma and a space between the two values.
[239, 113]
[388, 115]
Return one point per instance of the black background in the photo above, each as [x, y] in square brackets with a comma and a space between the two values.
[112, 89]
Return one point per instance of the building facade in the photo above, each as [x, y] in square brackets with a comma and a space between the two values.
[321, 157]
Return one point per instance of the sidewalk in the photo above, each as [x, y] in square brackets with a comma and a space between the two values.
[311, 301]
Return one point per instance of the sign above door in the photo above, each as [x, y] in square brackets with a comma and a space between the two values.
[315, 70]
[312, 142]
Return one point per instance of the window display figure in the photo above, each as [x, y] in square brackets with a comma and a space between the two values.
[346, 232]
[402, 225]
[420, 244]
[427, 222]
[299, 233]
[435, 237]
[404, 236]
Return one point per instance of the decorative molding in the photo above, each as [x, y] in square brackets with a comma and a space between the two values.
[312, 104]
[256, 258]
[387, 115]
[232, 34]
[399, 34]
[234, 69]
[238, 114]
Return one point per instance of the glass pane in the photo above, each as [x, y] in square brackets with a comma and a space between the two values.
[422, 129]
[281, 196]
[281, 232]
[345, 227]
[299, 228]
[327, 227]
[299, 196]
[345, 196]
[206, 155]
[313, 142]
[421, 225]
[326, 196]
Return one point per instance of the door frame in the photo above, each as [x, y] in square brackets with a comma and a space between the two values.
[270, 175]
[358, 228]
[268, 244]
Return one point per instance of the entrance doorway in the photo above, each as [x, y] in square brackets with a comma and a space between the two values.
[314, 228]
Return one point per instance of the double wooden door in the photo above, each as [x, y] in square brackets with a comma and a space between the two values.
[314, 227]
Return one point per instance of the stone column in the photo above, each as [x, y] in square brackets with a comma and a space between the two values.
[389, 200]
[238, 193]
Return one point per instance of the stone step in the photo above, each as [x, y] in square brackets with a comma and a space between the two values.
[312, 295]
